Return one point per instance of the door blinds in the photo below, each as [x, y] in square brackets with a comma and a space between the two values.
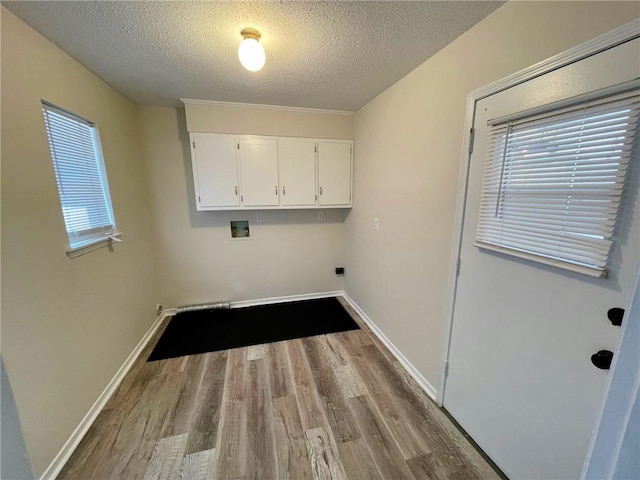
[79, 170]
[553, 182]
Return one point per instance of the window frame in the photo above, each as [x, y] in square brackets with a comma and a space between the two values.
[89, 239]
[498, 157]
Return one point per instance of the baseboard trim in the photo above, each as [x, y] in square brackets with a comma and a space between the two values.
[404, 361]
[287, 298]
[72, 443]
[55, 467]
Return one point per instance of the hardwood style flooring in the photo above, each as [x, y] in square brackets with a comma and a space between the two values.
[335, 406]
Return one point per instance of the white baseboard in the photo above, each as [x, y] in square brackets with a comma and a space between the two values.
[74, 440]
[413, 371]
[72, 443]
[288, 298]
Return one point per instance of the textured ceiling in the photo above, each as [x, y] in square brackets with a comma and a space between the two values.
[330, 55]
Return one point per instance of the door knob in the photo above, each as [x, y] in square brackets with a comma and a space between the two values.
[602, 359]
[615, 315]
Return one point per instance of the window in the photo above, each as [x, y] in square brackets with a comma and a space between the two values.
[82, 181]
[554, 179]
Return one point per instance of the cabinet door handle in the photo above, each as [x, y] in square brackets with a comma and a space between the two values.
[320, 190]
[276, 190]
[236, 190]
[284, 190]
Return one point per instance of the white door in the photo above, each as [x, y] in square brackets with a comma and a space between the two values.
[334, 173]
[297, 172]
[259, 172]
[215, 171]
[520, 380]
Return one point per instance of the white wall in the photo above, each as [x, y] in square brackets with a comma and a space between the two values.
[407, 158]
[67, 325]
[289, 253]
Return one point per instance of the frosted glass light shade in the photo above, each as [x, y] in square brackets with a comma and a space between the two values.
[251, 54]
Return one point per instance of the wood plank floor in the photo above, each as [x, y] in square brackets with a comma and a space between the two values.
[335, 406]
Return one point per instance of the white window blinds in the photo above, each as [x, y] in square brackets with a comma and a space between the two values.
[82, 182]
[553, 182]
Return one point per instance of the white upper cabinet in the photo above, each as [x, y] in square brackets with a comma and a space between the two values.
[215, 171]
[259, 172]
[297, 172]
[334, 173]
[233, 172]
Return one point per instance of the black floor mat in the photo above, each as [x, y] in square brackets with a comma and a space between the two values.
[189, 333]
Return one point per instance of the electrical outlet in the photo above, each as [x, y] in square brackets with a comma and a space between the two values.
[320, 216]
[258, 218]
[158, 308]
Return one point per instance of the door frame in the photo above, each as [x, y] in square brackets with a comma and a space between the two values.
[618, 36]
[607, 443]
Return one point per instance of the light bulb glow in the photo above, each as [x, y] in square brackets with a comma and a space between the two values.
[251, 54]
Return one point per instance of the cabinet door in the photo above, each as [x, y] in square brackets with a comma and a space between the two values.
[259, 172]
[334, 173]
[297, 172]
[215, 171]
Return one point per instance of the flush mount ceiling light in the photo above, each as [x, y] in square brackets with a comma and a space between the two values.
[250, 51]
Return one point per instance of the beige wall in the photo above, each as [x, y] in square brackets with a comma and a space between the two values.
[67, 325]
[407, 157]
[267, 121]
[289, 253]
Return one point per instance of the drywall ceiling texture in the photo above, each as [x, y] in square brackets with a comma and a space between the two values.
[407, 158]
[330, 55]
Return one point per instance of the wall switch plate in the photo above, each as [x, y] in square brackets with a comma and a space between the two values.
[376, 224]
[320, 216]
[258, 218]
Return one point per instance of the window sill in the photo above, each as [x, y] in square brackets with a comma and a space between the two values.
[591, 271]
[74, 252]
